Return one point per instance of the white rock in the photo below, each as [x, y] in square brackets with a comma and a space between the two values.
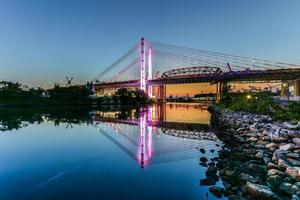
[296, 141]
[287, 147]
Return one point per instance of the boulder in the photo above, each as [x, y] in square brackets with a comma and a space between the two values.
[202, 150]
[274, 180]
[208, 181]
[279, 139]
[294, 162]
[272, 172]
[296, 141]
[295, 197]
[293, 155]
[297, 151]
[248, 178]
[259, 146]
[252, 139]
[287, 147]
[203, 159]
[267, 160]
[271, 145]
[293, 172]
[232, 174]
[259, 191]
[257, 168]
[266, 138]
[290, 126]
[288, 188]
[273, 166]
[250, 151]
[217, 191]
[283, 164]
[212, 168]
[203, 164]
[259, 155]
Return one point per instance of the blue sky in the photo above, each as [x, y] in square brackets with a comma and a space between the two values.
[42, 41]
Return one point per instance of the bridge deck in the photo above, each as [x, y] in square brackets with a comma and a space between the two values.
[237, 76]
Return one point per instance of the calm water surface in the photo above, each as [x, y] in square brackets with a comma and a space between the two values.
[105, 154]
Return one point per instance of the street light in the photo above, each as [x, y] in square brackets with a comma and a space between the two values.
[248, 96]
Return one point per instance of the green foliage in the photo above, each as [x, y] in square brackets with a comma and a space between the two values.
[13, 94]
[125, 97]
[261, 103]
[204, 95]
[226, 99]
[141, 96]
[294, 110]
[73, 95]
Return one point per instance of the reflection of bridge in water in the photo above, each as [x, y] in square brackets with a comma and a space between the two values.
[152, 142]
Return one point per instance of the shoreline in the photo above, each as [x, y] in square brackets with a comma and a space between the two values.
[260, 158]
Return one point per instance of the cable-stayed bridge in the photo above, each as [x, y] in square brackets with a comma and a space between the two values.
[150, 65]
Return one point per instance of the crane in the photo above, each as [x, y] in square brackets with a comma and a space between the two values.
[69, 81]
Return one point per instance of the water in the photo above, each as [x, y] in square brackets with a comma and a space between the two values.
[112, 154]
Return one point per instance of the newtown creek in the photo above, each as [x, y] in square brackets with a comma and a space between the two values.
[157, 152]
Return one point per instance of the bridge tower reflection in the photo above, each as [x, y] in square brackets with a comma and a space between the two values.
[150, 139]
[145, 150]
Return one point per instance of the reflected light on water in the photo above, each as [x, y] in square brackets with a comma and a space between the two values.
[157, 140]
[47, 157]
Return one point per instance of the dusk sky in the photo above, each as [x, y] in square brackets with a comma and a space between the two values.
[42, 41]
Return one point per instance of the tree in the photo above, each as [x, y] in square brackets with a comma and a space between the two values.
[225, 95]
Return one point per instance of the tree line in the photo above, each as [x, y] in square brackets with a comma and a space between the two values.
[15, 94]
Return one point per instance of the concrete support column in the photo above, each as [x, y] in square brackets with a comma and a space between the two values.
[219, 91]
[159, 91]
[165, 92]
[162, 92]
[297, 88]
[284, 89]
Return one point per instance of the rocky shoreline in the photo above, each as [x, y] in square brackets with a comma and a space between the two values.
[260, 158]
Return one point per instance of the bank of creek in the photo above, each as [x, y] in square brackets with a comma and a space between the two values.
[260, 158]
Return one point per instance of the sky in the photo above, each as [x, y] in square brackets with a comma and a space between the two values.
[43, 41]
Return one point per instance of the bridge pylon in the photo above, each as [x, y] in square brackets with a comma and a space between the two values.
[149, 86]
[142, 67]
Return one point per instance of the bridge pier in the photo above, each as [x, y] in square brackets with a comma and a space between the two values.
[284, 90]
[162, 92]
[297, 88]
[219, 91]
